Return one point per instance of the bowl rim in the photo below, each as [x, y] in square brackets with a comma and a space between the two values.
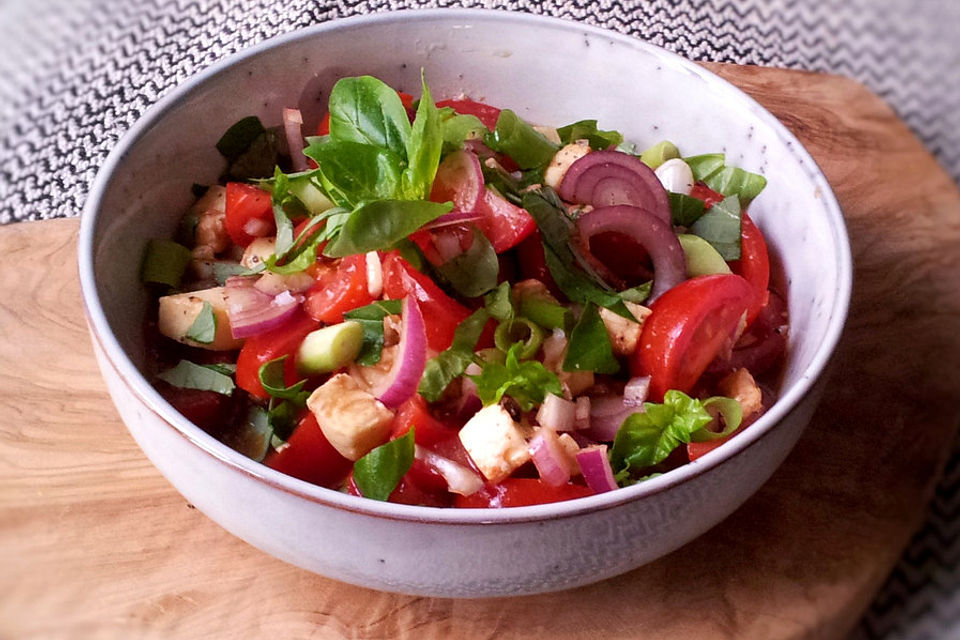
[153, 401]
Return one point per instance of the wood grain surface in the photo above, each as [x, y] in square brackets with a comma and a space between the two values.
[96, 544]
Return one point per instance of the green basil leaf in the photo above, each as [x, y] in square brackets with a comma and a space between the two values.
[366, 110]
[188, 375]
[353, 172]
[587, 130]
[732, 181]
[423, 147]
[704, 166]
[204, 327]
[378, 473]
[260, 158]
[271, 375]
[303, 253]
[637, 294]
[164, 262]
[589, 348]
[239, 137]
[456, 128]
[684, 209]
[371, 318]
[499, 302]
[474, 272]
[516, 138]
[526, 382]
[720, 226]
[732, 413]
[450, 363]
[647, 438]
[278, 197]
[381, 224]
[254, 436]
[283, 417]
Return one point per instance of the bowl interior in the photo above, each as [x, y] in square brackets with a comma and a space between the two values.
[548, 71]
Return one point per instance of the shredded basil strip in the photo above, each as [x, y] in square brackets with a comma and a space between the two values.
[371, 318]
[474, 272]
[164, 262]
[204, 327]
[587, 130]
[271, 375]
[378, 473]
[527, 382]
[720, 226]
[188, 375]
[451, 363]
[733, 181]
[684, 209]
[637, 294]
[589, 348]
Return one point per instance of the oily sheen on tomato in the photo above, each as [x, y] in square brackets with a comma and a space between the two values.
[339, 290]
[309, 456]
[262, 348]
[689, 325]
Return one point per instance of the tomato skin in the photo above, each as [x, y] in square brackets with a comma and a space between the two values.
[260, 349]
[427, 429]
[339, 290]
[688, 327]
[505, 224]
[520, 492]
[245, 202]
[705, 193]
[485, 113]
[309, 456]
[441, 313]
[753, 265]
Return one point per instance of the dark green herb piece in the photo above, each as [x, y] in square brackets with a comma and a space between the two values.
[684, 209]
[720, 226]
[547, 314]
[589, 348]
[371, 318]
[223, 270]
[204, 327]
[271, 375]
[450, 363]
[188, 375]
[381, 224]
[474, 272]
[164, 262]
[499, 302]
[526, 382]
[238, 138]
[516, 138]
[456, 128]
[253, 440]
[260, 158]
[587, 130]
[378, 473]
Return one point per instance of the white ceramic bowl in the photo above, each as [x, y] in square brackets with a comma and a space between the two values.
[549, 71]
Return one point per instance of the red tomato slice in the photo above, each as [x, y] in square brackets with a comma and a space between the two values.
[485, 113]
[441, 313]
[705, 193]
[310, 456]
[339, 290]
[246, 203]
[688, 327]
[504, 224]
[324, 127]
[260, 349]
[415, 413]
[520, 492]
[753, 265]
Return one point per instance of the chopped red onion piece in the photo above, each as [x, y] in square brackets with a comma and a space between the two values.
[459, 478]
[607, 413]
[550, 458]
[447, 245]
[401, 381]
[596, 470]
[646, 229]
[581, 414]
[252, 311]
[556, 413]
[292, 121]
[606, 178]
[636, 391]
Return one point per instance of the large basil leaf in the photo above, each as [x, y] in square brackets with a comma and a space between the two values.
[366, 110]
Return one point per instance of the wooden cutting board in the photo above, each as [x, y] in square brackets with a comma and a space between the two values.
[95, 543]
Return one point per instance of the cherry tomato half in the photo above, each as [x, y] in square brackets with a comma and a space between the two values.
[309, 456]
[688, 327]
[339, 290]
[260, 349]
[427, 430]
[246, 203]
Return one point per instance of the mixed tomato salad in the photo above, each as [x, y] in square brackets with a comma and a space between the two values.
[441, 304]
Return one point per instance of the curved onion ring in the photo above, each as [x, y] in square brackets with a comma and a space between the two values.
[607, 178]
[401, 381]
[649, 231]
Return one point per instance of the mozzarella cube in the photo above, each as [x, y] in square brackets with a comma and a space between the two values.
[554, 173]
[495, 443]
[624, 334]
[741, 386]
[178, 312]
[351, 419]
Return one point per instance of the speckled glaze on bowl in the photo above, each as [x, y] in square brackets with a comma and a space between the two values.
[549, 71]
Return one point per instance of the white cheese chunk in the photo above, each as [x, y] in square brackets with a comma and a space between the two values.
[352, 419]
[553, 175]
[178, 312]
[495, 443]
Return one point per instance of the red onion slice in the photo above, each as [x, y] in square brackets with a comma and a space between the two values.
[292, 122]
[401, 381]
[596, 470]
[252, 311]
[653, 234]
[549, 457]
[459, 478]
[607, 413]
[636, 391]
[460, 180]
[607, 178]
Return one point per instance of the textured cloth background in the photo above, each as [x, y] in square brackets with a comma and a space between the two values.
[75, 74]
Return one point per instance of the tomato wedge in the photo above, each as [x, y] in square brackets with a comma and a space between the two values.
[441, 313]
[249, 213]
[753, 265]
[485, 113]
[505, 224]
[309, 456]
[339, 290]
[520, 492]
[427, 430]
[260, 349]
[689, 325]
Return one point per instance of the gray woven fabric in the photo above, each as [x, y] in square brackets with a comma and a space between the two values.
[75, 74]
